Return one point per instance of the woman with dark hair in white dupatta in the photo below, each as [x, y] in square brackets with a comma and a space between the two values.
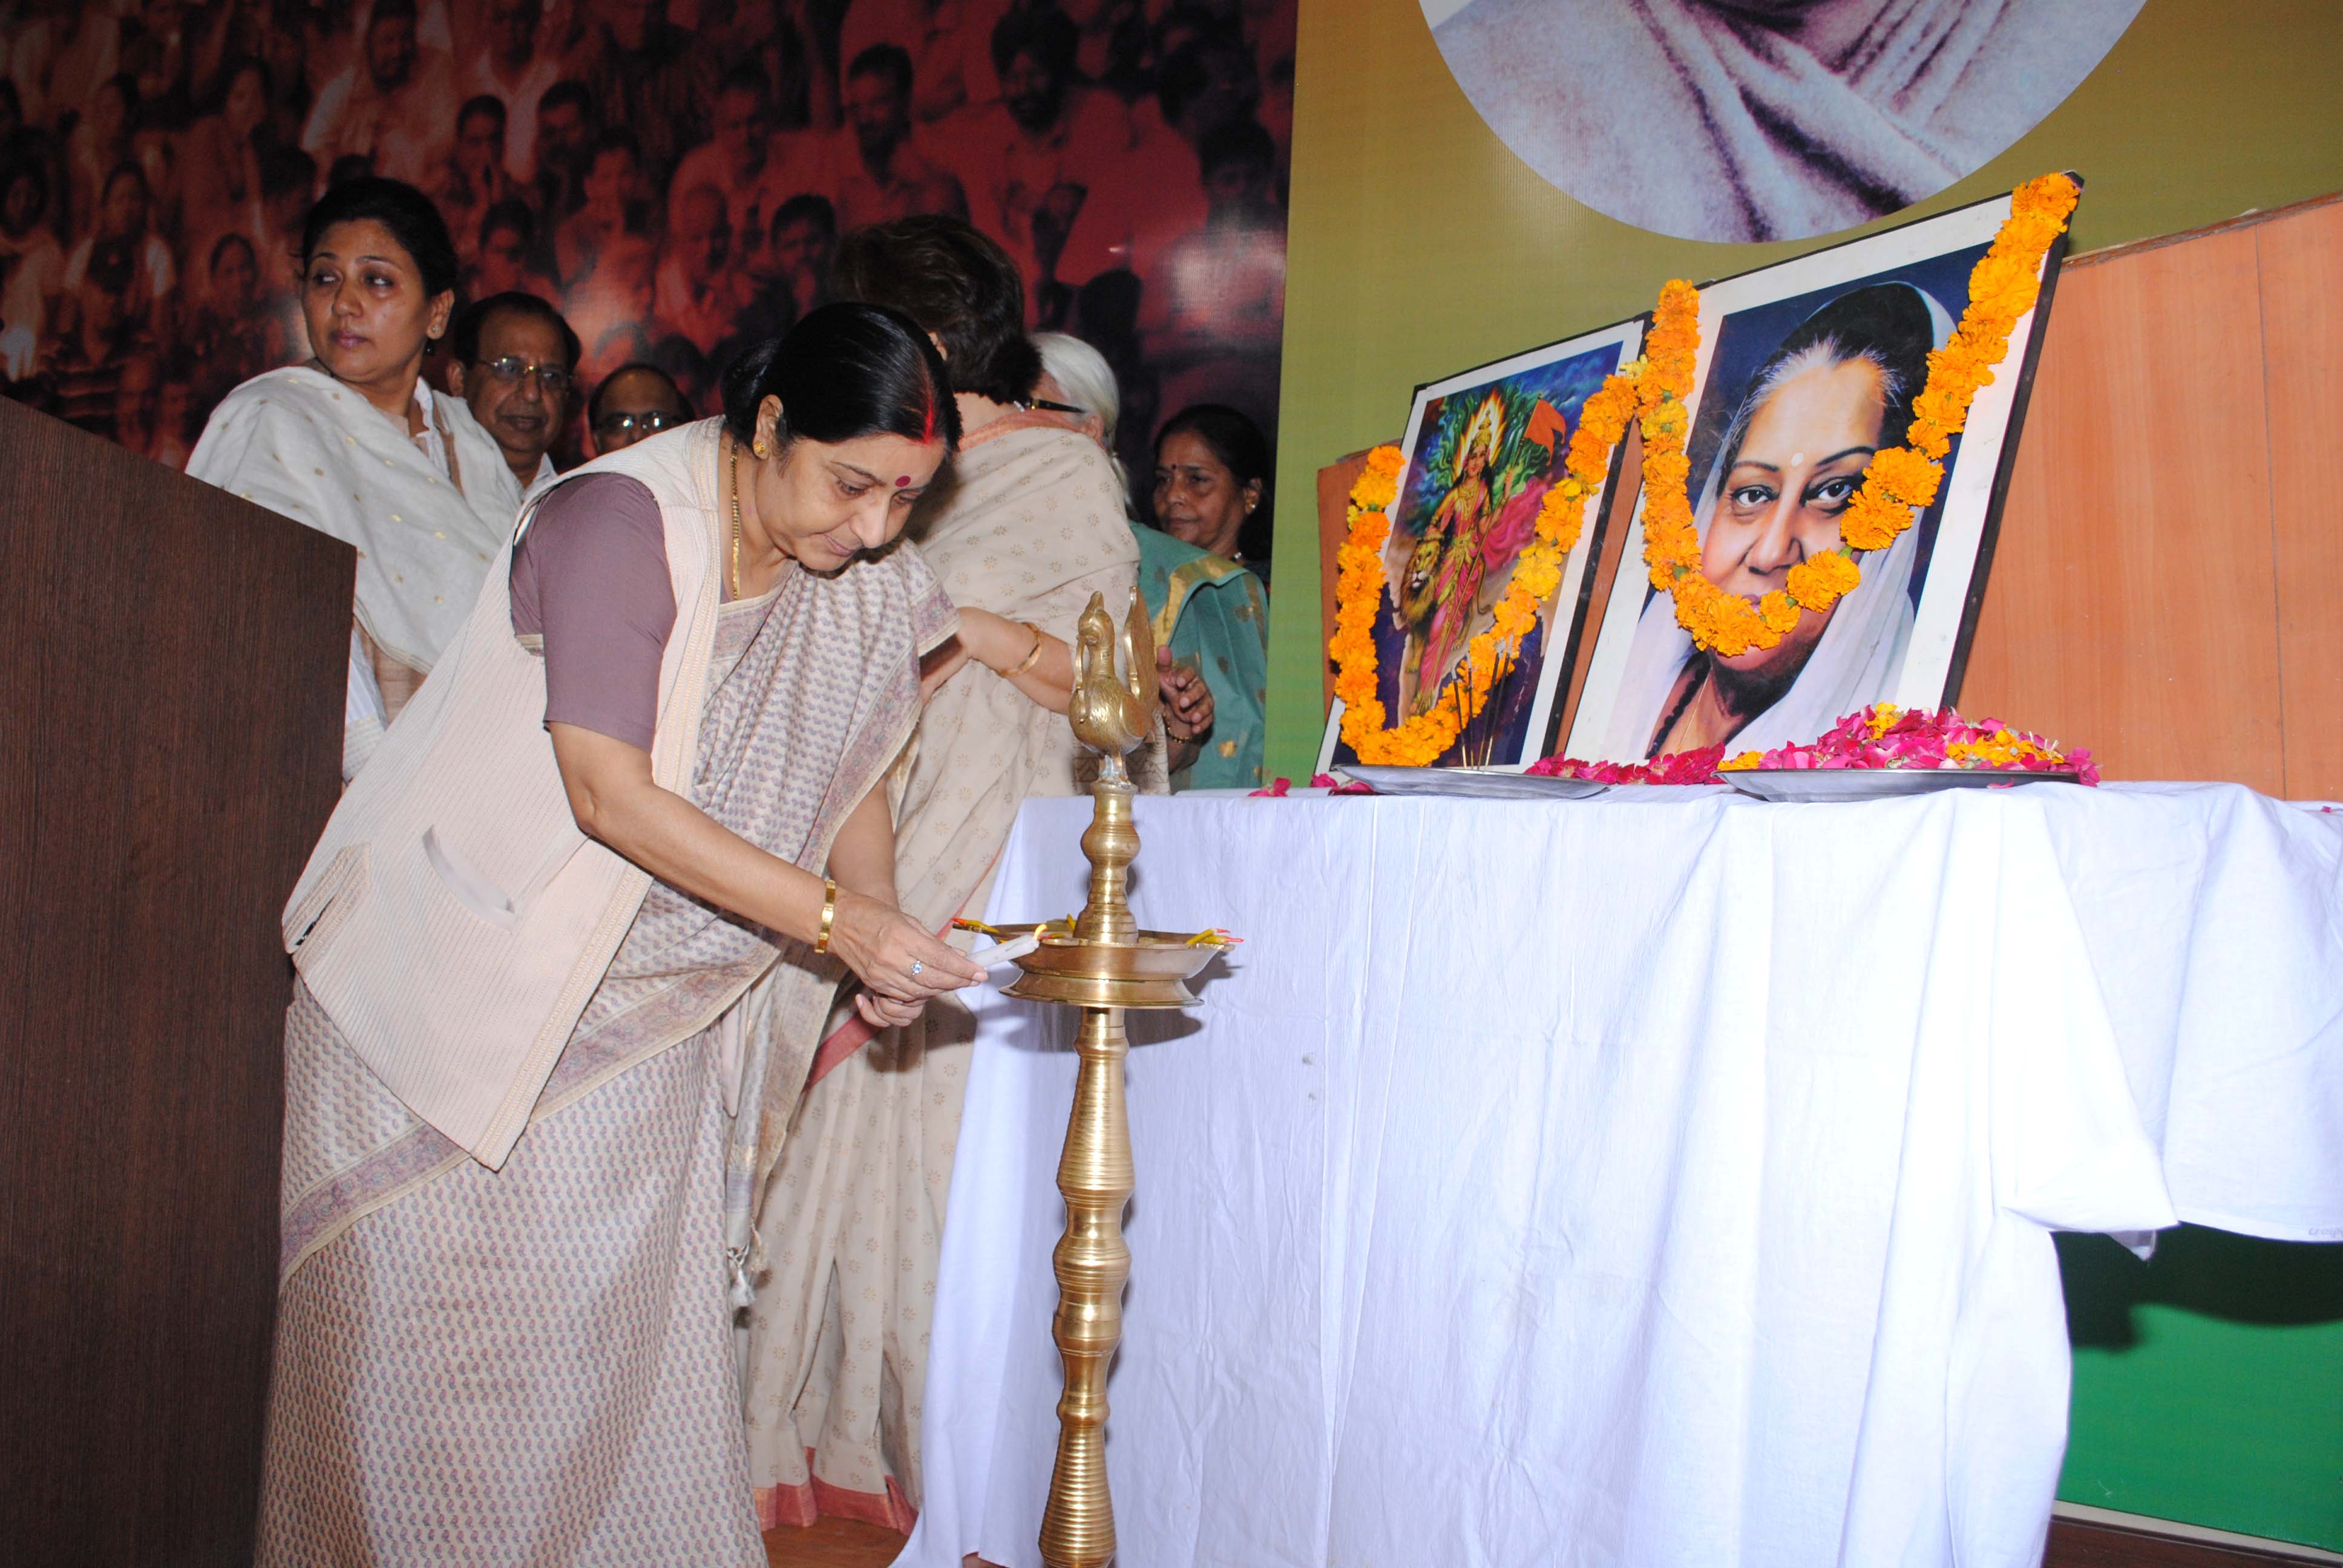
[1838, 389]
[356, 445]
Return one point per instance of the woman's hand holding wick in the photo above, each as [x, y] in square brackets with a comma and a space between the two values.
[880, 944]
[1187, 707]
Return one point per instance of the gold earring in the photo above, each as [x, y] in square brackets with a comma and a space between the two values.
[762, 450]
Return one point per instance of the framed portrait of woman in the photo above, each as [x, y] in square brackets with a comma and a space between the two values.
[1483, 447]
[1806, 370]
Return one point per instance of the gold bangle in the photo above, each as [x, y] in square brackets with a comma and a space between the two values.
[1028, 661]
[828, 913]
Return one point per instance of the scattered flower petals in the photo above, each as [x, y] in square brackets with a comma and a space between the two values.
[1884, 736]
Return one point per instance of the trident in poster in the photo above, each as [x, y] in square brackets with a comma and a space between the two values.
[1103, 963]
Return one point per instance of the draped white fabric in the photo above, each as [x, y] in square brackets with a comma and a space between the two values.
[1651, 1180]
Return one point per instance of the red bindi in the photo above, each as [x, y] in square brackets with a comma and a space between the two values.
[901, 480]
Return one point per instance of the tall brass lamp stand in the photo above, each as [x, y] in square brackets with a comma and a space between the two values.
[1103, 965]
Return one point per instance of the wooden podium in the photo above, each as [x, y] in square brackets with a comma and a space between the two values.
[171, 697]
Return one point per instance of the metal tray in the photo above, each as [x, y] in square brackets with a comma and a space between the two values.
[1808, 785]
[1471, 783]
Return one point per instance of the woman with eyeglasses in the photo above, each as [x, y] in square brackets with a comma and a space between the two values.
[354, 443]
[633, 402]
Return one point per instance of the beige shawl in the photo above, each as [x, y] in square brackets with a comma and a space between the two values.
[1033, 527]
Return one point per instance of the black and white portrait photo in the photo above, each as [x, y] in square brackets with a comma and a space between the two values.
[1741, 120]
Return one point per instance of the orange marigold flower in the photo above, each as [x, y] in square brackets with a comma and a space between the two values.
[1741, 762]
[1820, 581]
[1903, 475]
[1872, 522]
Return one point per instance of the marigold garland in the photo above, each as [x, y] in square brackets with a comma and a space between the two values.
[1898, 482]
[1651, 388]
[1650, 391]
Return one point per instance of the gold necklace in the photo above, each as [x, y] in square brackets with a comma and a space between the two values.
[736, 519]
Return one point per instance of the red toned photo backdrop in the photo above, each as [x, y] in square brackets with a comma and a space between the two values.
[672, 176]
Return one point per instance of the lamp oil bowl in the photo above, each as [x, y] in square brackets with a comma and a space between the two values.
[1103, 963]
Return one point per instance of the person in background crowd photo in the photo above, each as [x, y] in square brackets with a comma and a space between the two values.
[34, 263]
[138, 405]
[1033, 527]
[233, 335]
[146, 298]
[223, 182]
[100, 143]
[884, 172]
[473, 178]
[737, 163]
[1213, 481]
[264, 30]
[60, 58]
[509, 64]
[633, 402]
[390, 106]
[784, 40]
[945, 42]
[82, 368]
[175, 425]
[618, 202]
[700, 290]
[504, 260]
[616, 313]
[1029, 164]
[566, 131]
[651, 76]
[513, 362]
[355, 444]
[802, 250]
[1211, 615]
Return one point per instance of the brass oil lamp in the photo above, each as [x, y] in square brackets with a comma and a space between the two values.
[1103, 965]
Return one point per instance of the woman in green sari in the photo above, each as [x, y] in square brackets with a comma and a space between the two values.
[1210, 612]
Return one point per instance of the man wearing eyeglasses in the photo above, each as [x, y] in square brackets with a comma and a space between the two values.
[633, 402]
[514, 363]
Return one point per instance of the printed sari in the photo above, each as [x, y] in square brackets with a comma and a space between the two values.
[1214, 615]
[535, 1364]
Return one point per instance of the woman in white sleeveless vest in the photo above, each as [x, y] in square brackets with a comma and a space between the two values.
[1031, 527]
[355, 444]
[522, 1123]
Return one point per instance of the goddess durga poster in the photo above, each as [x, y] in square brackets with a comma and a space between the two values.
[1483, 449]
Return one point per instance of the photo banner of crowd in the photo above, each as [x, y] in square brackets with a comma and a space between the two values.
[672, 177]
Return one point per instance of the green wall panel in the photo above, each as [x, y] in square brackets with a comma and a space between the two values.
[2208, 1382]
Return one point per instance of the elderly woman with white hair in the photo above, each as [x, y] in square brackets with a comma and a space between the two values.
[1211, 615]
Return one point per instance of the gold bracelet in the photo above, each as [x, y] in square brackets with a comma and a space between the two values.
[1027, 662]
[828, 913]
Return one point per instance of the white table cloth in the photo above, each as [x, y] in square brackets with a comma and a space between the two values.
[1651, 1180]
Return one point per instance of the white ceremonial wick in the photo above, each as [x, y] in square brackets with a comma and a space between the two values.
[1007, 952]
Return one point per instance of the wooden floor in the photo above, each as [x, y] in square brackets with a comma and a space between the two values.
[832, 1543]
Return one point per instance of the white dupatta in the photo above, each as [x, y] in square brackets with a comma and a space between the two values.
[301, 444]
